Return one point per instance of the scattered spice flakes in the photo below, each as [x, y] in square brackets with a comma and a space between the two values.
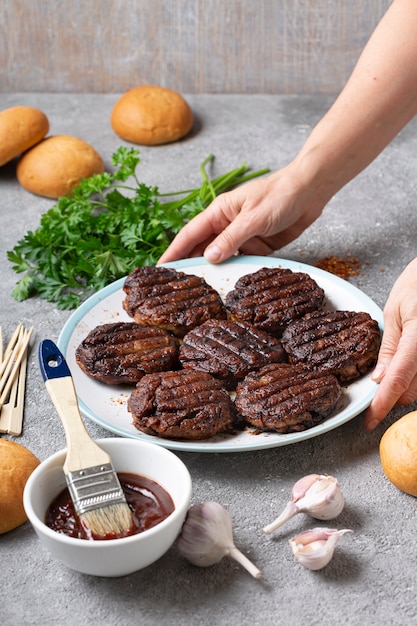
[120, 400]
[344, 268]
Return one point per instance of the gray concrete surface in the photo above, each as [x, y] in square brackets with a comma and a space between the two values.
[373, 577]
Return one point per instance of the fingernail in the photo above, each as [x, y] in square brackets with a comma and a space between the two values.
[213, 254]
[378, 373]
[372, 424]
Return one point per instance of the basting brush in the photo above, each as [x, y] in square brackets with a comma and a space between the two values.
[92, 481]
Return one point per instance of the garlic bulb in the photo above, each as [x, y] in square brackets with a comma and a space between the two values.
[207, 537]
[318, 495]
[314, 548]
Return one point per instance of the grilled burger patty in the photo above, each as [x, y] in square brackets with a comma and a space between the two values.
[123, 352]
[181, 405]
[273, 297]
[228, 350]
[345, 343]
[286, 398]
[175, 301]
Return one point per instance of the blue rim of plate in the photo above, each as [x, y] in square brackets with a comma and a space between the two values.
[225, 443]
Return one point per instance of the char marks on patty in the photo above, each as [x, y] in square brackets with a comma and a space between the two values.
[163, 297]
[228, 350]
[185, 404]
[345, 343]
[123, 352]
[272, 297]
[286, 398]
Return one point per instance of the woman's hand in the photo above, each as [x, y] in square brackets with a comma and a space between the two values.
[396, 369]
[256, 218]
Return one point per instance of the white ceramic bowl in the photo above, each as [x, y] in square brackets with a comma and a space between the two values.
[112, 557]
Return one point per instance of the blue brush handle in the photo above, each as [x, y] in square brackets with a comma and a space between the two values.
[82, 450]
[51, 361]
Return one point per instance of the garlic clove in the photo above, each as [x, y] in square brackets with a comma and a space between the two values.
[314, 548]
[207, 536]
[303, 485]
[318, 495]
[324, 499]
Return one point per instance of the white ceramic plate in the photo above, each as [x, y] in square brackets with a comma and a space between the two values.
[107, 405]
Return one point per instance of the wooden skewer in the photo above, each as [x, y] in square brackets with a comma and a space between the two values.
[4, 410]
[13, 365]
[9, 350]
[10, 359]
[13, 340]
[15, 415]
[8, 408]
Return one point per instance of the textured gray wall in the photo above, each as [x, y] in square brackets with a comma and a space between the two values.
[194, 46]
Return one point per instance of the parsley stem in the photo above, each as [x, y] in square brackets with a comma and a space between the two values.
[216, 186]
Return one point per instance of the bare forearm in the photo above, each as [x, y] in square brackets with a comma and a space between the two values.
[376, 103]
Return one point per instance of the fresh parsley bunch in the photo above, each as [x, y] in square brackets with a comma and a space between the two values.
[98, 234]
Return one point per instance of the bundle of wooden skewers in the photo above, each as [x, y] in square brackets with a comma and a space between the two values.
[13, 365]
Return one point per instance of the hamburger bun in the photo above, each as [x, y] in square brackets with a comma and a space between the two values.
[21, 128]
[56, 165]
[16, 465]
[398, 453]
[151, 115]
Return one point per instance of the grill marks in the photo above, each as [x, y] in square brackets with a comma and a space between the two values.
[123, 352]
[286, 398]
[228, 350]
[273, 297]
[344, 343]
[184, 404]
[172, 300]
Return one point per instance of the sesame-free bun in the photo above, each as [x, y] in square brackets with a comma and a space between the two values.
[16, 465]
[21, 128]
[56, 165]
[398, 453]
[151, 115]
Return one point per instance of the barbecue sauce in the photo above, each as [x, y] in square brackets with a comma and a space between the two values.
[149, 502]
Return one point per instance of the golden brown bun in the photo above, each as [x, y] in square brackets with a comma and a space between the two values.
[151, 115]
[16, 465]
[398, 452]
[56, 165]
[20, 129]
